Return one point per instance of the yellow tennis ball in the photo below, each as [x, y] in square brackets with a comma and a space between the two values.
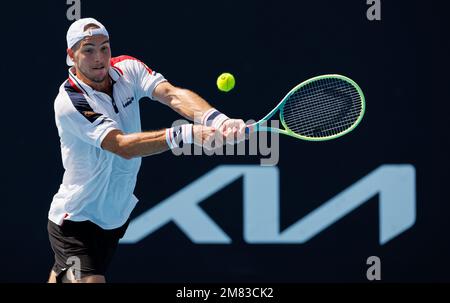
[226, 82]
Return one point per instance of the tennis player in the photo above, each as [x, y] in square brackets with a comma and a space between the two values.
[98, 122]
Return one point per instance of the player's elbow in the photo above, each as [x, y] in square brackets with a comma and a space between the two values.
[117, 143]
[124, 153]
[173, 96]
[123, 150]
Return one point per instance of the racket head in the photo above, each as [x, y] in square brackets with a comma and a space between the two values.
[321, 108]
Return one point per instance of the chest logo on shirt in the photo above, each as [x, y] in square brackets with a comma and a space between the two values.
[128, 101]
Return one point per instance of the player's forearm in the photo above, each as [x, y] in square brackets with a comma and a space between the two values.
[143, 144]
[189, 104]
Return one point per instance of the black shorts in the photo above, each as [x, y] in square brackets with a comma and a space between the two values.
[91, 246]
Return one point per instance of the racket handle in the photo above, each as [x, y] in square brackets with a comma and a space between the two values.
[248, 130]
[251, 129]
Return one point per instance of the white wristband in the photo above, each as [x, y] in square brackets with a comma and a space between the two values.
[187, 133]
[177, 135]
[213, 118]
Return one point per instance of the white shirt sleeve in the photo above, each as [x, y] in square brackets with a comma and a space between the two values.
[144, 78]
[87, 125]
[148, 80]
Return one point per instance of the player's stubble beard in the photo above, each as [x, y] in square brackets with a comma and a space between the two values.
[92, 78]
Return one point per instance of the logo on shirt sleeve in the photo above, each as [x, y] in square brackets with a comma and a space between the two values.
[128, 101]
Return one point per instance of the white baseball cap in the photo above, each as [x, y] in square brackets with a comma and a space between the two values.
[76, 33]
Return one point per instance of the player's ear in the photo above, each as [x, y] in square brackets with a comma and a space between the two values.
[71, 54]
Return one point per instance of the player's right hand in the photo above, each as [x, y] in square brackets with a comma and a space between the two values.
[204, 136]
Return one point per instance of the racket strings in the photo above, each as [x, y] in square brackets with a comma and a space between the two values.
[322, 108]
[291, 119]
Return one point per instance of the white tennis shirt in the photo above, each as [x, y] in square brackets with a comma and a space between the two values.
[97, 184]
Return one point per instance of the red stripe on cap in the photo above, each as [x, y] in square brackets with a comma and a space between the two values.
[116, 60]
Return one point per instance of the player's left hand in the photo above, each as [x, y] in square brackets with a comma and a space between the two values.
[233, 131]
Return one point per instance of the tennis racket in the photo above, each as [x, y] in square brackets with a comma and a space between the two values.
[319, 109]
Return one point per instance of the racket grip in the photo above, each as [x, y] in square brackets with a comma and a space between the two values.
[251, 128]
[248, 130]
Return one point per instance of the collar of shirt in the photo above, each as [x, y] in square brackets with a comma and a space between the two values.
[82, 87]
